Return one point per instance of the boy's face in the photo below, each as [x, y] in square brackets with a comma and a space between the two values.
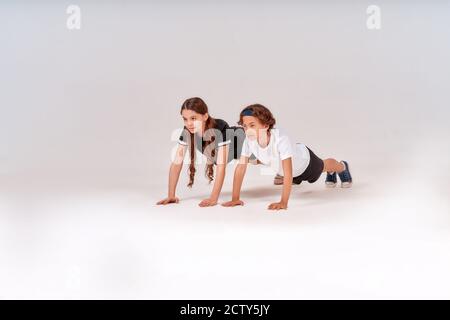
[194, 121]
[253, 128]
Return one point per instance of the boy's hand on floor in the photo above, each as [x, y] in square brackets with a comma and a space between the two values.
[277, 206]
[233, 203]
[207, 203]
[169, 200]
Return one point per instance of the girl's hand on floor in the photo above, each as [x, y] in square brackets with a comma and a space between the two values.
[207, 203]
[169, 200]
[233, 203]
[277, 206]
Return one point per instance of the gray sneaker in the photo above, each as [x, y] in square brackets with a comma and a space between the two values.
[331, 180]
[278, 180]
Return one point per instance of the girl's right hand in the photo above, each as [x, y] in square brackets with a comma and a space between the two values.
[233, 203]
[169, 200]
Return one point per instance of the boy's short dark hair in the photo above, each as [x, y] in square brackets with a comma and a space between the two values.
[260, 112]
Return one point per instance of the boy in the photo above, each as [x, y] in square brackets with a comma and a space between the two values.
[272, 147]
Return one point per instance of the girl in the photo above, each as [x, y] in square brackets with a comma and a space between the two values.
[212, 137]
[273, 147]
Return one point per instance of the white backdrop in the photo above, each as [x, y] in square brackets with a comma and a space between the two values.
[86, 119]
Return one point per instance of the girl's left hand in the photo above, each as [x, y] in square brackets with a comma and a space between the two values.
[277, 206]
[208, 203]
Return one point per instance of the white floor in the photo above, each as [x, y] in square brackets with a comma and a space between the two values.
[387, 237]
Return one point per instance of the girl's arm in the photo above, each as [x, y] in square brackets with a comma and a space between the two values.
[222, 157]
[174, 174]
[239, 174]
[287, 186]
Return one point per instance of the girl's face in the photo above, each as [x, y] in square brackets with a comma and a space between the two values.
[193, 121]
[254, 129]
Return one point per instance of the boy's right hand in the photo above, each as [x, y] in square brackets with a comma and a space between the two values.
[169, 200]
[233, 203]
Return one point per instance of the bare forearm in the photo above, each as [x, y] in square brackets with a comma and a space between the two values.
[239, 174]
[287, 186]
[287, 181]
[174, 174]
[218, 183]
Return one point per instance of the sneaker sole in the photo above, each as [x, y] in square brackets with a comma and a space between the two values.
[346, 185]
[330, 184]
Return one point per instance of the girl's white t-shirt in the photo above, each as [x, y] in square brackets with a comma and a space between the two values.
[280, 147]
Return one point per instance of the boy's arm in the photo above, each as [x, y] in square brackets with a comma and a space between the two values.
[222, 157]
[239, 174]
[287, 186]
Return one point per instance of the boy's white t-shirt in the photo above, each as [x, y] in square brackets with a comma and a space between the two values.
[280, 147]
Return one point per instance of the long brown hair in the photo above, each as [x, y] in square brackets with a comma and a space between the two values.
[199, 106]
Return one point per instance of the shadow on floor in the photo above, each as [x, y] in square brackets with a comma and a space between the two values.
[359, 190]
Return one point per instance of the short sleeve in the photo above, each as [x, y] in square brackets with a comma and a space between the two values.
[245, 149]
[225, 136]
[184, 137]
[284, 147]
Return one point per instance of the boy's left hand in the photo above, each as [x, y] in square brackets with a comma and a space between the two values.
[208, 203]
[277, 206]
